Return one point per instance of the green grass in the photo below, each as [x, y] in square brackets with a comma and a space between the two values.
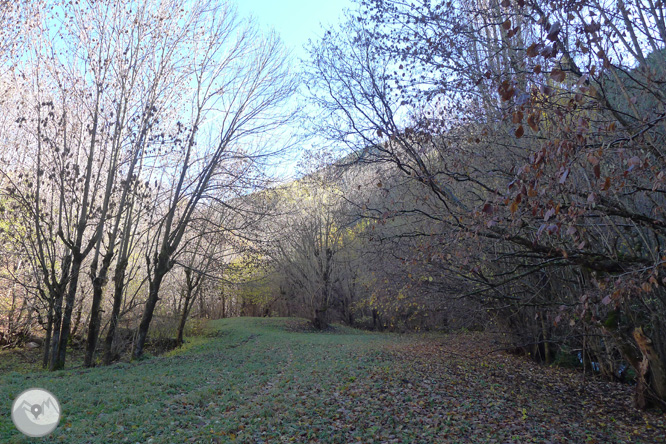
[251, 380]
[264, 380]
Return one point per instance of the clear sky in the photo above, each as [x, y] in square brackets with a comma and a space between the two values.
[295, 20]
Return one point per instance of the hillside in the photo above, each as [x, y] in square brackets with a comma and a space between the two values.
[272, 380]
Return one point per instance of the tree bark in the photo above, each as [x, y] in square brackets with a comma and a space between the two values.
[183, 319]
[57, 322]
[319, 322]
[60, 352]
[651, 387]
[153, 296]
[119, 278]
[99, 283]
[191, 285]
[47, 339]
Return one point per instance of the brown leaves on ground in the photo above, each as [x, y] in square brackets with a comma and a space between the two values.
[436, 389]
[469, 393]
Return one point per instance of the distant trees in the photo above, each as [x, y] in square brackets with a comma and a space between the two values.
[306, 245]
[534, 130]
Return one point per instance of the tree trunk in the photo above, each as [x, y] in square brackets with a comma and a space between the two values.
[183, 319]
[546, 345]
[320, 321]
[99, 283]
[376, 322]
[645, 359]
[161, 270]
[47, 339]
[119, 281]
[57, 323]
[59, 354]
[187, 302]
[57, 294]
[95, 320]
[651, 386]
[77, 321]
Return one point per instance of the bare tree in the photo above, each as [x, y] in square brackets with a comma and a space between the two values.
[239, 84]
[306, 245]
[142, 76]
[536, 132]
[130, 116]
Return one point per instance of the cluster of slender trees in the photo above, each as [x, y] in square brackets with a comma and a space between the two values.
[126, 128]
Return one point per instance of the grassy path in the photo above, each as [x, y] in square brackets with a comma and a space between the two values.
[255, 381]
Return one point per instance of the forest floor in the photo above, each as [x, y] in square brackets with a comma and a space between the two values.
[266, 380]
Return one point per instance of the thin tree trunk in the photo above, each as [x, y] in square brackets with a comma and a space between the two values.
[77, 321]
[190, 295]
[376, 322]
[99, 283]
[57, 293]
[58, 358]
[57, 322]
[119, 283]
[224, 304]
[153, 296]
[119, 279]
[651, 387]
[546, 344]
[95, 321]
[47, 340]
[183, 318]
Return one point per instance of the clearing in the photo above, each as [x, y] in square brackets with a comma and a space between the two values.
[268, 380]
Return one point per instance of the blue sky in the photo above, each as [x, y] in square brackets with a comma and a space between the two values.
[295, 20]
